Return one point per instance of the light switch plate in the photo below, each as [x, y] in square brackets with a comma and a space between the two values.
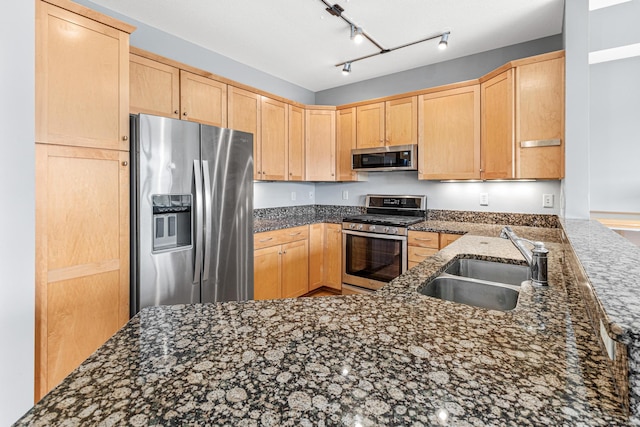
[345, 195]
[484, 199]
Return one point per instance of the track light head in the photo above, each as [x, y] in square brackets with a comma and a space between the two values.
[346, 69]
[356, 34]
[444, 41]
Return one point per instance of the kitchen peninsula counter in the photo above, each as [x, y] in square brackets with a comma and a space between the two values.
[392, 358]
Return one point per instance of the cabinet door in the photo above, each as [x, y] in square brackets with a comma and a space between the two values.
[203, 100]
[154, 87]
[274, 131]
[82, 256]
[540, 119]
[345, 142]
[296, 143]
[320, 145]
[295, 269]
[316, 256]
[449, 134]
[267, 273]
[401, 121]
[446, 239]
[333, 257]
[244, 115]
[370, 123]
[82, 81]
[497, 127]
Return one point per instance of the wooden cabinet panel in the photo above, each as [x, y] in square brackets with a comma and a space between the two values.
[497, 127]
[449, 134]
[274, 122]
[296, 144]
[320, 145]
[154, 87]
[279, 237]
[424, 239]
[82, 81]
[370, 125]
[446, 239]
[540, 116]
[295, 269]
[82, 255]
[244, 115]
[316, 256]
[333, 256]
[345, 142]
[267, 273]
[401, 121]
[203, 100]
[417, 254]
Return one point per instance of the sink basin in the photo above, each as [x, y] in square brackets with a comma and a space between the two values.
[490, 271]
[492, 296]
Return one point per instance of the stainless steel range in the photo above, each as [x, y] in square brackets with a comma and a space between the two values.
[374, 245]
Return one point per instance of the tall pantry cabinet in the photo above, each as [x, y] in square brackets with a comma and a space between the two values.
[82, 185]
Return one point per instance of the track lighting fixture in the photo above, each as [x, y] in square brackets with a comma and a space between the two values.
[444, 41]
[356, 34]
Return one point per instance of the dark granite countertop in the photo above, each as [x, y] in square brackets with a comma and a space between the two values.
[392, 358]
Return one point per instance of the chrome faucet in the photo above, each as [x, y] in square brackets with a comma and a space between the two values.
[537, 258]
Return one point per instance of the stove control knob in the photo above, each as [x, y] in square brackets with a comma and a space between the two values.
[352, 226]
[360, 227]
[393, 230]
[385, 230]
[372, 228]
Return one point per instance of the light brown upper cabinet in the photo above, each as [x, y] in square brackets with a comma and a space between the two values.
[82, 79]
[203, 100]
[449, 134]
[320, 144]
[393, 122]
[274, 122]
[296, 143]
[345, 142]
[539, 123]
[154, 87]
[498, 160]
[244, 115]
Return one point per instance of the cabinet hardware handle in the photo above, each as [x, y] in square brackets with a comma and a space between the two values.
[333, 174]
[284, 252]
[422, 255]
[184, 114]
[423, 239]
[294, 234]
[280, 253]
[265, 240]
[290, 173]
[125, 163]
[125, 138]
[176, 112]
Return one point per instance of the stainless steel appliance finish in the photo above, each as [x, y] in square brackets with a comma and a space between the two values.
[192, 213]
[536, 258]
[388, 158]
[374, 245]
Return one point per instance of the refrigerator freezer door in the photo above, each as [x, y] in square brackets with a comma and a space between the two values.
[168, 170]
[227, 156]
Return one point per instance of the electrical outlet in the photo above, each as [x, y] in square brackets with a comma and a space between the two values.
[293, 195]
[547, 200]
[484, 199]
[310, 194]
[345, 195]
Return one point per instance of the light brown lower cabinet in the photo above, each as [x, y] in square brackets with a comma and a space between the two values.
[325, 256]
[82, 255]
[281, 263]
[422, 244]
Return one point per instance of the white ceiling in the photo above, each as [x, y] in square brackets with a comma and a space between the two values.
[298, 41]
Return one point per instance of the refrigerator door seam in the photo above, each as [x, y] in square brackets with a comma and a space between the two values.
[208, 224]
[197, 176]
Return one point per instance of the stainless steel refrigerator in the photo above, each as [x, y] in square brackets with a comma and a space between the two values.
[191, 213]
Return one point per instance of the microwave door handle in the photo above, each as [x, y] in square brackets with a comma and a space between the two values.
[197, 253]
[208, 224]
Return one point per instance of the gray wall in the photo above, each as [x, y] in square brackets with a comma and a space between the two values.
[17, 247]
[614, 112]
[457, 70]
[161, 43]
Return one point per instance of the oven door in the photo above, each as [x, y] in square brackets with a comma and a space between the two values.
[371, 260]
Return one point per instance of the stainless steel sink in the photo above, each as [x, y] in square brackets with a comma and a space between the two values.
[478, 293]
[490, 271]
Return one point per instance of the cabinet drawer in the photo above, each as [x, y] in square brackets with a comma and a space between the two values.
[278, 237]
[423, 239]
[446, 239]
[418, 254]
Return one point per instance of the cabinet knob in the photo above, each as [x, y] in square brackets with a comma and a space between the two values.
[125, 138]
[125, 163]
[176, 112]
[184, 114]
[290, 173]
[333, 174]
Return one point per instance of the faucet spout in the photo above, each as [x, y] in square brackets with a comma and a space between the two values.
[536, 258]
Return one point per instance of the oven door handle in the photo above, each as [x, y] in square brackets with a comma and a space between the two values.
[374, 235]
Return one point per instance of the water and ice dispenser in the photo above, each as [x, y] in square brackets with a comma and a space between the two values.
[171, 221]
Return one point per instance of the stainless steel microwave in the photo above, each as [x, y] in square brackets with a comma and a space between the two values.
[390, 158]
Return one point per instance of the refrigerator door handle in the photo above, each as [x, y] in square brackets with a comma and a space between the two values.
[197, 176]
[208, 225]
